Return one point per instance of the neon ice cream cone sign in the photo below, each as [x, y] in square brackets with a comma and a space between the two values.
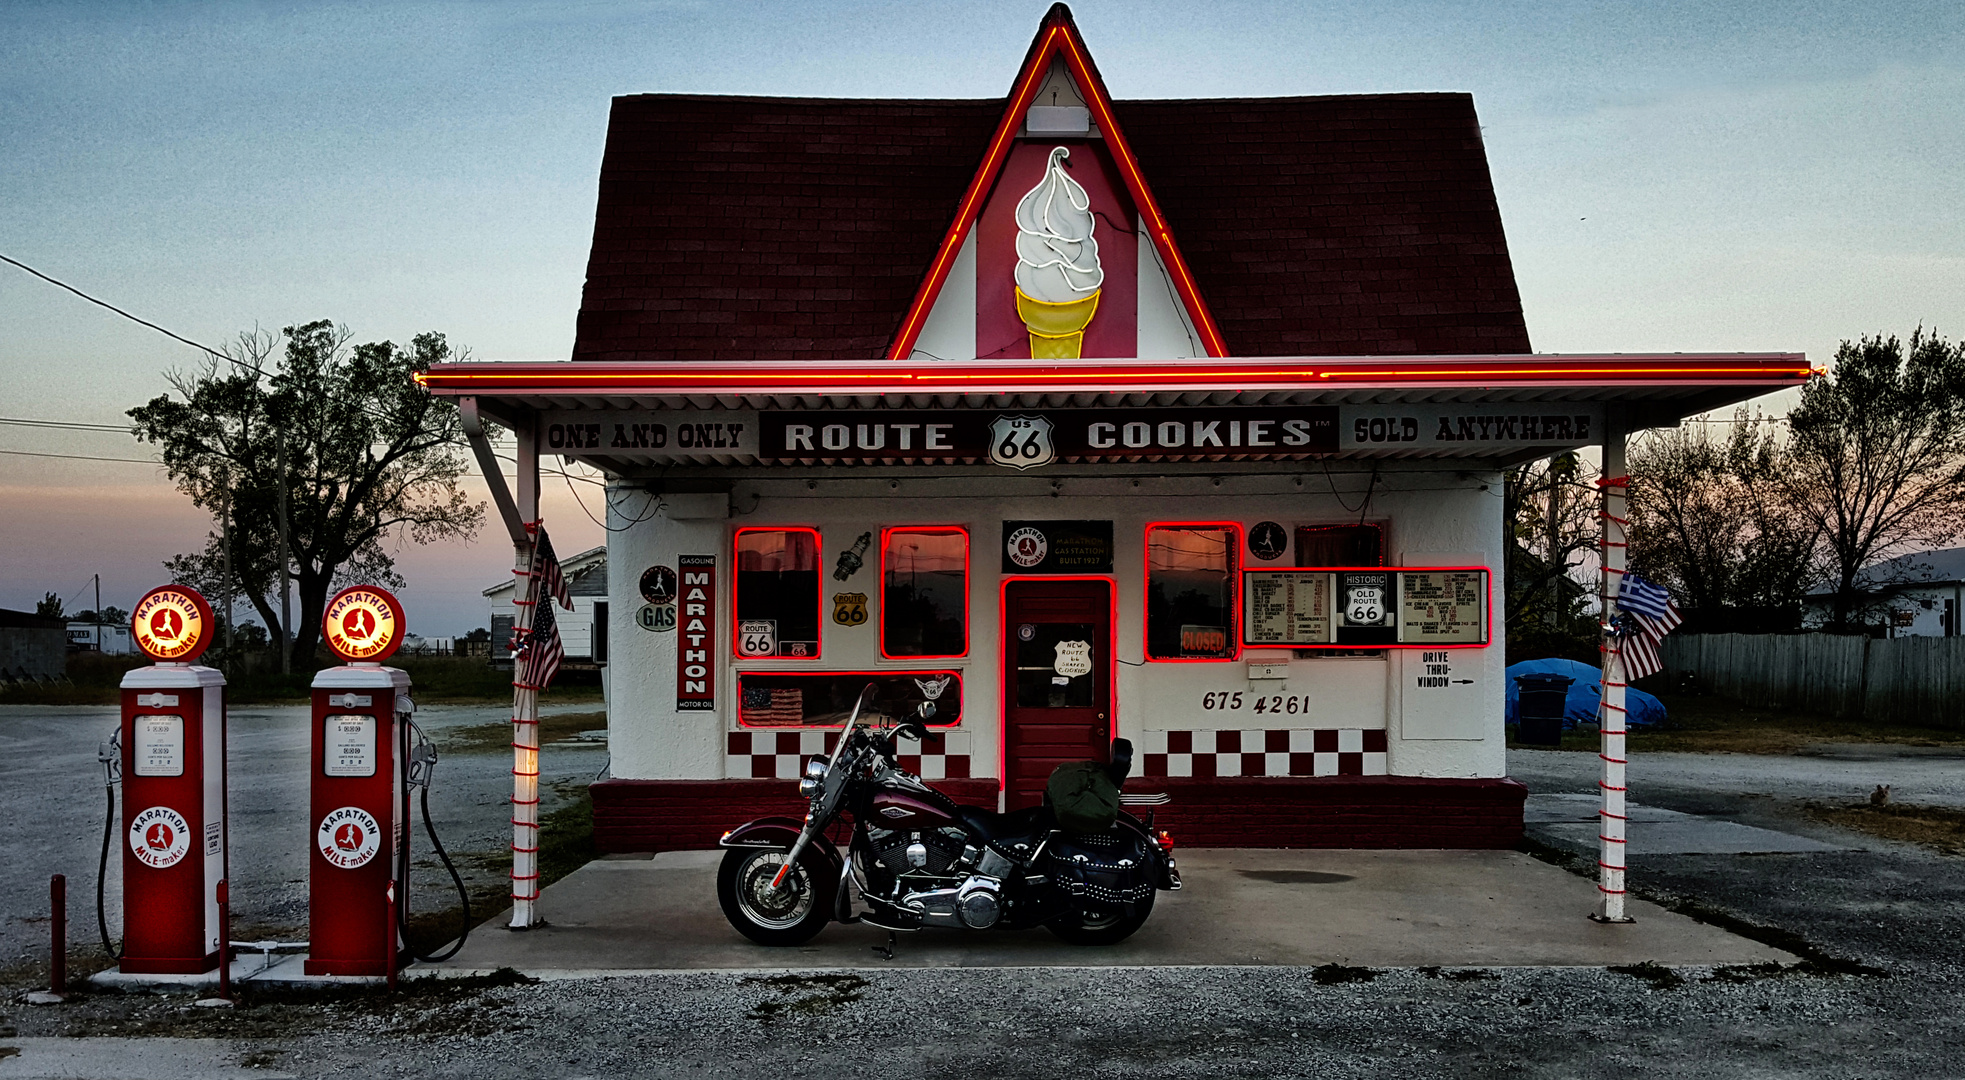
[1058, 271]
[362, 623]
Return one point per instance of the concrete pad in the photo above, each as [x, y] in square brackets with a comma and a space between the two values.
[287, 971]
[1570, 821]
[127, 1059]
[1239, 907]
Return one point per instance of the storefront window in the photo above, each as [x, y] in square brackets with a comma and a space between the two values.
[1340, 545]
[777, 593]
[1191, 592]
[825, 699]
[924, 592]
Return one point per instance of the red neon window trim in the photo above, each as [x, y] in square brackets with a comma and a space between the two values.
[737, 572]
[1234, 578]
[926, 530]
[938, 722]
[1487, 615]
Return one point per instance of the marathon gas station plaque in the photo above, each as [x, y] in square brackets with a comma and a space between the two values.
[1057, 547]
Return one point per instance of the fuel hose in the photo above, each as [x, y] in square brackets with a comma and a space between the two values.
[427, 759]
[102, 870]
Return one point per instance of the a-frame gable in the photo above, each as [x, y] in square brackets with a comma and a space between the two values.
[1057, 41]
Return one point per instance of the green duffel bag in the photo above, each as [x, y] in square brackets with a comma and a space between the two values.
[1083, 797]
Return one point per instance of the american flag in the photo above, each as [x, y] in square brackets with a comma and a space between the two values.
[1652, 615]
[540, 652]
[546, 575]
[759, 705]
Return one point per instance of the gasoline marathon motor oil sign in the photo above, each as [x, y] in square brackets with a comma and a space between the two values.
[348, 837]
[159, 837]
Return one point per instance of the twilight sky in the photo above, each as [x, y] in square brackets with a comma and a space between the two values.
[1718, 175]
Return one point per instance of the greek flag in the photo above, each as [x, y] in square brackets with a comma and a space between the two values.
[1651, 615]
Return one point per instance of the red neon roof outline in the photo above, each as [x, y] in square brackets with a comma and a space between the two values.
[1771, 370]
[1057, 36]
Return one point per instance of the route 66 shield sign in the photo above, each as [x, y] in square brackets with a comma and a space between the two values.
[849, 608]
[1021, 441]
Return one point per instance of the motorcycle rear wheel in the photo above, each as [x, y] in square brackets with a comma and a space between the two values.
[791, 915]
[1079, 929]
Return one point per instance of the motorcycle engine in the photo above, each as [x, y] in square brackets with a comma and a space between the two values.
[903, 851]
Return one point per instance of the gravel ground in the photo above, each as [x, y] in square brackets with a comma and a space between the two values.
[51, 812]
[1881, 998]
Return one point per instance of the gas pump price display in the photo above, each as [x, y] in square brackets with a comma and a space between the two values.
[350, 745]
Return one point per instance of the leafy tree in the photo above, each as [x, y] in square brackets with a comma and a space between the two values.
[49, 606]
[1712, 521]
[108, 616]
[363, 453]
[1878, 455]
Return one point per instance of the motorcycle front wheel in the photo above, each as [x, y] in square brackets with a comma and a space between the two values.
[791, 914]
[1082, 928]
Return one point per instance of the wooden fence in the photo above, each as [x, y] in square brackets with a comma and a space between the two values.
[1912, 680]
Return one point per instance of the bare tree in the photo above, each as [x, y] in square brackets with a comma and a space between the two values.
[1711, 520]
[1878, 455]
[1550, 507]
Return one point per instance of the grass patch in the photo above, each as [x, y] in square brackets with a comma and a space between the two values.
[1938, 827]
[96, 679]
[483, 738]
[805, 995]
[1705, 724]
[566, 843]
[1337, 974]
[1659, 976]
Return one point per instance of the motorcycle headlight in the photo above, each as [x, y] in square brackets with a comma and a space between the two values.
[808, 787]
[816, 768]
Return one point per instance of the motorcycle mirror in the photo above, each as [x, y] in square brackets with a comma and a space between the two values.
[926, 710]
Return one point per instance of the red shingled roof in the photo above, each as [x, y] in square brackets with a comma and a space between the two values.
[734, 228]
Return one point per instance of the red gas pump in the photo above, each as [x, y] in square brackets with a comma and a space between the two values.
[172, 758]
[359, 870]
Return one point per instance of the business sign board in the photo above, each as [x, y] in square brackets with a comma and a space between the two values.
[1026, 439]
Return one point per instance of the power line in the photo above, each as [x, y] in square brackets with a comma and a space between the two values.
[83, 457]
[104, 303]
[63, 424]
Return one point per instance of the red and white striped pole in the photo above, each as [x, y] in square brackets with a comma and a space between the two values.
[1612, 815]
[525, 699]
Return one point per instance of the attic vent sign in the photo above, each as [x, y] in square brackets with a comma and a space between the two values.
[1058, 120]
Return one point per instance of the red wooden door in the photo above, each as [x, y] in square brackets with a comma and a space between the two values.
[1057, 681]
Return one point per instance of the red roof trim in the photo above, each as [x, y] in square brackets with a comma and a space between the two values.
[1770, 370]
[1058, 35]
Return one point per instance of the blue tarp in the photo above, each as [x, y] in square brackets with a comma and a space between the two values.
[1584, 694]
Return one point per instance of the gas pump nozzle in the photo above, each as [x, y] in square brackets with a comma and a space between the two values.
[110, 753]
[422, 763]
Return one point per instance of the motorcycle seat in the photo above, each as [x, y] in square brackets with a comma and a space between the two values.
[1003, 830]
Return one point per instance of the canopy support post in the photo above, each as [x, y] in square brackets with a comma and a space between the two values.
[1614, 534]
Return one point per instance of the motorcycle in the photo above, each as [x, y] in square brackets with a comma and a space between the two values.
[919, 859]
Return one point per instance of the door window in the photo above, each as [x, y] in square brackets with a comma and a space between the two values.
[1057, 665]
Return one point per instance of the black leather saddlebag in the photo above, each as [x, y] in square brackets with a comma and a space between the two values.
[1112, 867]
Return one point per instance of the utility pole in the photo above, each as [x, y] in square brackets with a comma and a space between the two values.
[225, 541]
[286, 612]
[98, 618]
[1556, 560]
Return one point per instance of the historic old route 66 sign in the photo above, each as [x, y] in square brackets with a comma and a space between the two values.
[1367, 599]
[1021, 441]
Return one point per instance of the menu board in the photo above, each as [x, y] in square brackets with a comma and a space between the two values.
[1286, 607]
[1442, 607]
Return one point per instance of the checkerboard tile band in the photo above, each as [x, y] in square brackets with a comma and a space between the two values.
[1272, 752]
[779, 754]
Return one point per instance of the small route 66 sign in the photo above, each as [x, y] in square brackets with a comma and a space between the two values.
[849, 608]
[1021, 441]
[1367, 599]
